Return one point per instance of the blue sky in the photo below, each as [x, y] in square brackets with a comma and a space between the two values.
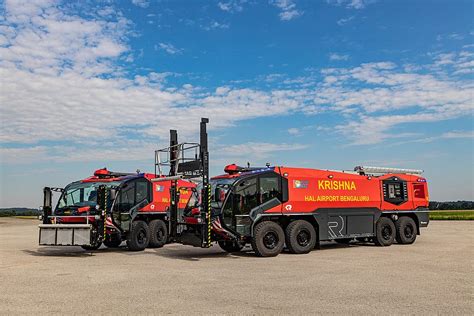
[324, 84]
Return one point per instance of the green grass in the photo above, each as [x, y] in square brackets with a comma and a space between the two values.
[452, 215]
[26, 217]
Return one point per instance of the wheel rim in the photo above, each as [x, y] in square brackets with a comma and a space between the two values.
[141, 236]
[270, 240]
[408, 231]
[387, 232]
[159, 234]
[303, 238]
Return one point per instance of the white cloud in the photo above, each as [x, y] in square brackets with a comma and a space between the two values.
[49, 41]
[344, 21]
[141, 3]
[458, 134]
[213, 25]
[450, 36]
[390, 97]
[169, 48]
[294, 131]
[338, 57]
[287, 8]
[231, 6]
[351, 4]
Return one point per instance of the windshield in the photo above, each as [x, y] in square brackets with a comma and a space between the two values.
[219, 190]
[82, 194]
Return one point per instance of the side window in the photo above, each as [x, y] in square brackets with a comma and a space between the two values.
[419, 191]
[74, 197]
[246, 196]
[269, 188]
[141, 191]
[127, 198]
[227, 210]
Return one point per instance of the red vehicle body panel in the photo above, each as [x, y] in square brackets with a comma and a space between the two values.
[311, 189]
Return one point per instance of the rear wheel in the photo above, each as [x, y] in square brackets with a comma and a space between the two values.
[138, 236]
[230, 246]
[158, 233]
[268, 239]
[300, 237]
[385, 232]
[406, 230]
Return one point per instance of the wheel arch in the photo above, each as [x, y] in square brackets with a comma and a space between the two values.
[412, 215]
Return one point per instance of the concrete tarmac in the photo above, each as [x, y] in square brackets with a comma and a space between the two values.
[433, 276]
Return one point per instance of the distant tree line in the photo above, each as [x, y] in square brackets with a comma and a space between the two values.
[452, 205]
[18, 211]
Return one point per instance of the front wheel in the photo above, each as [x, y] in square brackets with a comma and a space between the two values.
[113, 241]
[385, 232]
[94, 246]
[230, 246]
[138, 236]
[300, 237]
[268, 239]
[406, 230]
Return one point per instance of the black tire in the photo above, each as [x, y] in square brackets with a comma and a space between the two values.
[139, 236]
[158, 233]
[300, 237]
[95, 246]
[268, 239]
[385, 232]
[230, 246]
[343, 241]
[113, 241]
[406, 230]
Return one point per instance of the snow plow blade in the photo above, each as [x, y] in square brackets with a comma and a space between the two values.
[65, 235]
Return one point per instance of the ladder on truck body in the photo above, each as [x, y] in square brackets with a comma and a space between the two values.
[186, 161]
[385, 170]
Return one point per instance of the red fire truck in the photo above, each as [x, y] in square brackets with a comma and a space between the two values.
[271, 207]
[110, 207]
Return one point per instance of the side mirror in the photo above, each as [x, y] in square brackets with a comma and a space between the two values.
[113, 194]
[217, 195]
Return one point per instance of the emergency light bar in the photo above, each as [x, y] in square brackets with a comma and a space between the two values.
[371, 170]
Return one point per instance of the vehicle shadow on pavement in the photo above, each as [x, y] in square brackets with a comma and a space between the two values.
[172, 252]
[196, 254]
[59, 252]
[333, 245]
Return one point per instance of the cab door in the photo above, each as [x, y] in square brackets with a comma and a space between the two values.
[239, 203]
[132, 196]
[249, 198]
